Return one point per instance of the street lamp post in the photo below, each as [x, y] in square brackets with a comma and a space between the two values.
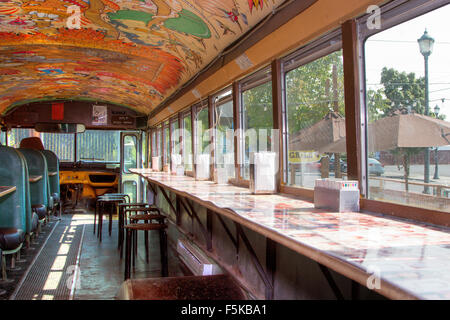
[426, 48]
[436, 159]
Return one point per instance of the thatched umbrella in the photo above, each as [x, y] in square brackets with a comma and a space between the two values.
[328, 130]
[402, 129]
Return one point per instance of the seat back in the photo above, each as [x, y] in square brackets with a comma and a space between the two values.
[37, 166]
[53, 166]
[15, 208]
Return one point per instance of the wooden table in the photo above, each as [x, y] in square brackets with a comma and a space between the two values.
[34, 178]
[413, 257]
[4, 190]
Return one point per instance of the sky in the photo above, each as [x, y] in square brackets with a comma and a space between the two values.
[397, 48]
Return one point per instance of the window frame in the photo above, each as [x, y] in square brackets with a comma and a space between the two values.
[165, 153]
[184, 114]
[325, 45]
[196, 109]
[393, 14]
[255, 79]
[217, 102]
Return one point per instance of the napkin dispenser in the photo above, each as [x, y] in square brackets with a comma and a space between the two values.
[202, 170]
[263, 172]
[156, 163]
[336, 195]
[220, 176]
[175, 162]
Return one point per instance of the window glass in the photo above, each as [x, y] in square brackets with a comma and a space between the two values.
[408, 159]
[166, 142]
[257, 122]
[175, 137]
[130, 152]
[98, 146]
[3, 138]
[154, 143]
[144, 148]
[315, 114]
[159, 141]
[187, 142]
[224, 137]
[61, 144]
[201, 126]
[130, 188]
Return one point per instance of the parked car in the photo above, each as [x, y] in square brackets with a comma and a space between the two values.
[331, 164]
[375, 167]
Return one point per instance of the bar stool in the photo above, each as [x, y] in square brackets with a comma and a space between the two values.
[108, 199]
[130, 252]
[127, 219]
[122, 218]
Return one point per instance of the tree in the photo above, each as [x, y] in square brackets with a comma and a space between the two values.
[400, 90]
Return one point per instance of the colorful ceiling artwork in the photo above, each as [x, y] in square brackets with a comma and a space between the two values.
[130, 52]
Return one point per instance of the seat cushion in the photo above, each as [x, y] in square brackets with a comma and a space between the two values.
[55, 197]
[11, 238]
[40, 210]
[34, 222]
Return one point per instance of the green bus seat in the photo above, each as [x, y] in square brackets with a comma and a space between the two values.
[39, 190]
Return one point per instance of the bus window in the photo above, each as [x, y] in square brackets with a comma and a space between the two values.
[257, 118]
[315, 113]
[166, 143]
[130, 152]
[201, 126]
[187, 142]
[407, 91]
[224, 140]
[61, 144]
[98, 146]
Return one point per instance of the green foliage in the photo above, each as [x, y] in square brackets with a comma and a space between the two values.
[403, 90]
[309, 91]
[258, 107]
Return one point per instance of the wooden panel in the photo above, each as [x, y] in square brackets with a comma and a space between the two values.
[352, 105]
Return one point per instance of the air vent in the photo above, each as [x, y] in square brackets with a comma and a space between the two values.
[196, 260]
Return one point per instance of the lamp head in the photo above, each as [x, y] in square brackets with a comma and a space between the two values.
[436, 110]
[426, 44]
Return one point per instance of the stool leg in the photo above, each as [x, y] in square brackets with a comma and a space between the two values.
[146, 246]
[111, 210]
[4, 276]
[136, 243]
[163, 252]
[127, 254]
[100, 222]
[95, 215]
[120, 225]
[133, 253]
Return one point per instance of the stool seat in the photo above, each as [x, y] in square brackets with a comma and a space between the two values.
[145, 226]
[11, 238]
[40, 210]
[216, 287]
[147, 217]
[146, 209]
[134, 204]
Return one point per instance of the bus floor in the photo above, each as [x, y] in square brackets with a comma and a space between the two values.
[73, 264]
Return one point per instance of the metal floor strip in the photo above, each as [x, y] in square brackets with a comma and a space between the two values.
[51, 277]
[19, 285]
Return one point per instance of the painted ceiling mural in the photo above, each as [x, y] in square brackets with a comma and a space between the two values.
[130, 52]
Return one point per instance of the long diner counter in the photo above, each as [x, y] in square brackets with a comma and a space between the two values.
[410, 258]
